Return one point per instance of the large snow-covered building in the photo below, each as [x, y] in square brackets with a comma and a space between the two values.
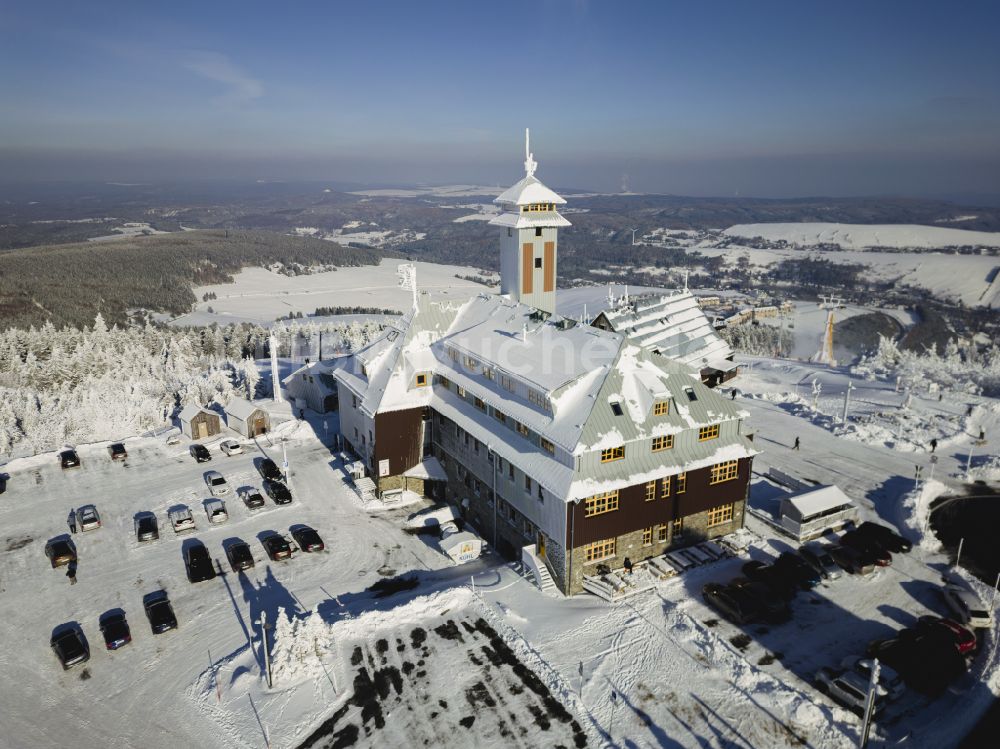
[572, 444]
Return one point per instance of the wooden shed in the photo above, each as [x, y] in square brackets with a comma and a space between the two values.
[247, 419]
[198, 423]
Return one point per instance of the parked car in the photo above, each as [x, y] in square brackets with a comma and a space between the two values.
[216, 483]
[146, 528]
[173, 439]
[964, 639]
[888, 678]
[269, 470]
[927, 662]
[308, 539]
[277, 547]
[782, 584]
[231, 447]
[869, 546]
[69, 459]
[239, 555]
[160, 613]
[798, 570]
[774, 609]
[253, 500]
[182, 520]
[200, 453]
[278, 492]
[115, 629]
[738, 608]
[117, 451]
[818, 556]
[887, 537]
[852, 560]
[216, 511]
[850, 689]
[60, 552]
[198, 561]
[967, 607]
[87, 518]
[70, 647]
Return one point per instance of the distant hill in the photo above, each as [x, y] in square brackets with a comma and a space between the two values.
[867, 236]
[69, 284]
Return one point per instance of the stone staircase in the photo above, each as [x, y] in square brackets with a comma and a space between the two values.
[538, 569]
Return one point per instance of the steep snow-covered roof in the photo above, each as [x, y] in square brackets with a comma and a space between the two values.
[675, 326]
[190, 411]
[529, 220]
[240, 408]
[528, 190]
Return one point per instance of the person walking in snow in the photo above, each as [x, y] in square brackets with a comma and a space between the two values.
[933, 445]
[796, 445]
[982, 435]
[71, 572]
[302, 414]
[734, 394]
[72, 521]
[628, 566]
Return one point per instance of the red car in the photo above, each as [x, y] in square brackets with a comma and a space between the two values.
[965, 639]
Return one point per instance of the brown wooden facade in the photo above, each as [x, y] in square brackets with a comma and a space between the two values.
[399, 439]
[205, 424]
[635, 512]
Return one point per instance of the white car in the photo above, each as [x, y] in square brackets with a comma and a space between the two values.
[182, 520]
[173, 439]
[888, 679]
[849, 688]
[231, 447]
[216, 511]
[818, 557]
[88, 518]
[967, 607]
[216, 483]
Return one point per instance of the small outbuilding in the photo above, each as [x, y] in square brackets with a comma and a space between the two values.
[813, 513]
[198, 423]
[246, 418]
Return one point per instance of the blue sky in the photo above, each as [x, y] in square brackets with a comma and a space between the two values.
[741, 98]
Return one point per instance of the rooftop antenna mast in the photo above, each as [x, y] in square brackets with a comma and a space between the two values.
[686, 273]
[530, 165]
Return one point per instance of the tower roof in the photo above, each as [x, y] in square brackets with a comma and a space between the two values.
[528, 190]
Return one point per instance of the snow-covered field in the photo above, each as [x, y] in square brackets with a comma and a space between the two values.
[261, 296]
[863, 236]
[129, 229]
[441, 191]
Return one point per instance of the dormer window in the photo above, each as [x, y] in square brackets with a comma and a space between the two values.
[420, 380]
[689, 392]
[661, 408]
[616, 408]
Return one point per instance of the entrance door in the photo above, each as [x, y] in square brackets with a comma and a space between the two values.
[258, 426]
[540, 544]
[202, 429]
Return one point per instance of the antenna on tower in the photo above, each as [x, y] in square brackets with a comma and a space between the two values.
[529, 161]
[686, 280]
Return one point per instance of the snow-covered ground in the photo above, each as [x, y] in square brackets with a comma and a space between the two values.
[259, 295]
[441, 191]
[863, 236]
[129, 229]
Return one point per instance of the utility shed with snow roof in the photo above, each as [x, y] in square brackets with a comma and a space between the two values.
[813, 513]
[246, 418]
[198, 423]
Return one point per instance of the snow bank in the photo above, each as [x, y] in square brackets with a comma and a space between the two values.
[915, 513]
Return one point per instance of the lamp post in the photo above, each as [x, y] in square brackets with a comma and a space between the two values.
[267, 654]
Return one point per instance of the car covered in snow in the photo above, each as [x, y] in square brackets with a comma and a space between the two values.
[277, 547]
[216, 511]
[160, 613]
[173, 439]
[888, 679]
[200, 453]
[88, 518]
[69, 459]
[60, 551]
[182, 520]
[216, 483]
[818, 556]
[307, 538]
[278, 492]
[253, 499]
[114, 627]
[146, 528]
[70, 647]
[231, 447]
[967, 607]
[198, 561]
[239, 555]
[269, 470]
[117, 451]
[850, 689]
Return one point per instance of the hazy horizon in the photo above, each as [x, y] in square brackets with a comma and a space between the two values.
[774, 99]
